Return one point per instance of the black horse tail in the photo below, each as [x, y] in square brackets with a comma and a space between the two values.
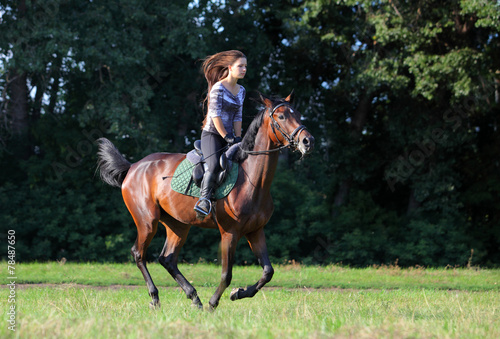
[111, 164]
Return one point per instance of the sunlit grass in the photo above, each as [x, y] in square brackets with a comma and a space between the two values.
[292, 276]
[84, 312]
[111, 301]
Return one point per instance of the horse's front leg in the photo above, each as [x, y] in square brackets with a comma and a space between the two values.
[227, 247]
[257, 242]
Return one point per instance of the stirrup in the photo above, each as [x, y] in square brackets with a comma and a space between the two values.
[198, 209]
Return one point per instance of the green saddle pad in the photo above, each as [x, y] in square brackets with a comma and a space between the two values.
[182, 178]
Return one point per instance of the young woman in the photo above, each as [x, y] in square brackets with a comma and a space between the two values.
[222, 124]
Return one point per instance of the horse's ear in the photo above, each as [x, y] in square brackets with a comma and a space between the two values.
[290, 97]
[265, 101]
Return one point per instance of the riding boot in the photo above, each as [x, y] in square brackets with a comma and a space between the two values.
[204, 205]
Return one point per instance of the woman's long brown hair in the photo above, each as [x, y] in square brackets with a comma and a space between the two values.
[215, 68]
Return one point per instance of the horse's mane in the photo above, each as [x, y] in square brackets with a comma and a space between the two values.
[248, 142]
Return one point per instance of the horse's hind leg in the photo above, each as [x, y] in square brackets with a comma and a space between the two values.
[227, 248]
[176, 237]
[145, 233]
[257, 242]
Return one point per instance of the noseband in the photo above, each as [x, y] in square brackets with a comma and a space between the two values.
[288, 137]
[276, 126]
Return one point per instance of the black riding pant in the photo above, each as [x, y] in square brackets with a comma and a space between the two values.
[211, 146]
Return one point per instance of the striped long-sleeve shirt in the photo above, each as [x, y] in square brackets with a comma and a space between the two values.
[224, 104]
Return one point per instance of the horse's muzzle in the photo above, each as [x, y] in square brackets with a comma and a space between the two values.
[306, 145]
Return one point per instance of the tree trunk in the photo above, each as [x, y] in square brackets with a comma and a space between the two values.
[343, 192]
[37, 103]
[18, 112]
[413, 203]
[359, 117]
[54, 89]
[358, 122]
[18, 104]
[17, 108]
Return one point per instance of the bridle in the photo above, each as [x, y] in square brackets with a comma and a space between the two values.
[290, 138]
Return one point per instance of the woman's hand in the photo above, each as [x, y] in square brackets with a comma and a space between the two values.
[229, 139]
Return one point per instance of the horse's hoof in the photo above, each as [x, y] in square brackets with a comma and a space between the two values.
[154, 305]
[211, 308]
[234, 293]
[197, 305]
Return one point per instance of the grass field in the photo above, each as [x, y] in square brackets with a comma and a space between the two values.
[84, 301]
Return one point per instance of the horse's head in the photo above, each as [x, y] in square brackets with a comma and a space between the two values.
[285, 128]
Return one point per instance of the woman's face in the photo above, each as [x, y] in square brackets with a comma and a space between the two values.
[239, 68]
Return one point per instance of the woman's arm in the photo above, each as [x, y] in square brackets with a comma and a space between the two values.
[238, 119]
[219, 126]
[237, 128]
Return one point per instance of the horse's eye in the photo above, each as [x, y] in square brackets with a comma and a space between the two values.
[281, 117]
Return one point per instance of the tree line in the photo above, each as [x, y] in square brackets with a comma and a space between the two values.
[402, 98]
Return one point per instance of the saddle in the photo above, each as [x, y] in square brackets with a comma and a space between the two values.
[189, 174]
[198, 160]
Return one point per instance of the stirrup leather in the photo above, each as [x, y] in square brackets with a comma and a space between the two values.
[198, 209]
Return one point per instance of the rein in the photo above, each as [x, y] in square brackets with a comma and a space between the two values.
[276, 126]
[266, 152]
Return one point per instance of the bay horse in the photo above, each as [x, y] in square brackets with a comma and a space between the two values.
[242, 213]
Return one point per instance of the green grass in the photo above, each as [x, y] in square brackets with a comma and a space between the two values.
[75, 312]
[383, 302]
[289, 276]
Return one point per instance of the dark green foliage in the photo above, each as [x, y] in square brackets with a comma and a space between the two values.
[402, 98]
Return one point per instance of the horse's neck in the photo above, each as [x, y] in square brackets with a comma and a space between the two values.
[262, 167]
